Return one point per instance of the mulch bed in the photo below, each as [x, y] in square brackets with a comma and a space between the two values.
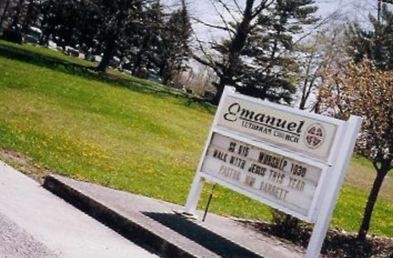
[338, 243]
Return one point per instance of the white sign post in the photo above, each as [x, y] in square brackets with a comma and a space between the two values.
[289, 159]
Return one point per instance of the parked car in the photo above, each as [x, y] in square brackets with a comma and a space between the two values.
[154, 77]
[115, 62]
[71, 51]
[33, 35]
[93, 58]
[52, 45]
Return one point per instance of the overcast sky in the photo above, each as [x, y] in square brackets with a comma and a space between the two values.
[205, 10]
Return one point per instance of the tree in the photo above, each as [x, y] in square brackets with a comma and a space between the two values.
[4, 13]
[256, 58]
[148, 41]
[32, 13]
[162, 44]
[96, 26]
[175, 49]
[364, 90]
[376, 43]
[17, 12]
[118, 19]
[63, 20]
[324, 49]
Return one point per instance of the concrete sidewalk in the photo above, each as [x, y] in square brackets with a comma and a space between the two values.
[154, 224]
[36, 223]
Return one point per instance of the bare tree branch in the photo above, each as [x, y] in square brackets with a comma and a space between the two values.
[237, 6]
[222, 18]
[227, 9]
[264, 4]
[333, 15]
[208, 61]
[213, 26]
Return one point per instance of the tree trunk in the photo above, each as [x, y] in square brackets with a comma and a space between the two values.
[3, 15]
[370, 204]
[220, 89]
[164, 71]
[235, 47]
[139, 56]
[166, 77]
[108, 54]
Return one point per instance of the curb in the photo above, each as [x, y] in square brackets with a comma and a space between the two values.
[122, 225]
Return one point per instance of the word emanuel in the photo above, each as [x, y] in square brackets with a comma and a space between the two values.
[235, 111]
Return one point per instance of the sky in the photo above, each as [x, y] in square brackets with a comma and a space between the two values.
[205, 10]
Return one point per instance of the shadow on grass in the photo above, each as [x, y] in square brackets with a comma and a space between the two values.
[206, 238]
[132, 83]
[41, 60]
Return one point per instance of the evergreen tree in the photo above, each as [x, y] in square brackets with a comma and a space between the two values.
[19, 14]
[62, 21]
[118, 20]
[137, 31]
[257, 58]
[4, 13]
[375, 44]
[272, 70]
[96, 26]
[148, 41]
[175, 49]
[162, 44]
[32, 14]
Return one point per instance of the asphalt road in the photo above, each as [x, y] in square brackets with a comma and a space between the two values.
[16, 242]
[36, 223]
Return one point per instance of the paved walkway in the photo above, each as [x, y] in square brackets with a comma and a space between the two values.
[166, 232]
[36, 223]
[16, 242]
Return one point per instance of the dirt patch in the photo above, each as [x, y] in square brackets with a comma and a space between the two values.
[338, 243]
[24, 164]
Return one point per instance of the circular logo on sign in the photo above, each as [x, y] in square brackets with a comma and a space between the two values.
[315, 136]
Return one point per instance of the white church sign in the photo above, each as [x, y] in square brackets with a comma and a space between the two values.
[278, 180]
[289, 159]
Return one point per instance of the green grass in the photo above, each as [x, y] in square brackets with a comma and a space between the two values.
[350, 209]
[127, 133]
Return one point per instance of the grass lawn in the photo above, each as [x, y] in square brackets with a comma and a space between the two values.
[130, 134]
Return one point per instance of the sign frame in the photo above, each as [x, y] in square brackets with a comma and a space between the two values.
[335, 165]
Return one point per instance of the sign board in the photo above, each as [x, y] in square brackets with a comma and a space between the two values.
[283, 182]
[289, 159]
[280, 126]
